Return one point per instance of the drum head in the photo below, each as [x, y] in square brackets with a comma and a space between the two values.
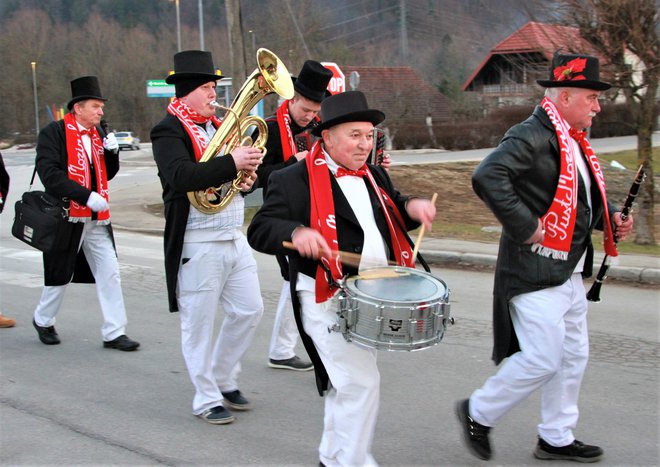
[397, 284]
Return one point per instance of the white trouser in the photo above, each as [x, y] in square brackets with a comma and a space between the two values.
[222, 273]
[351, 404]
[551, 326]
[102, 260]
[285, 332]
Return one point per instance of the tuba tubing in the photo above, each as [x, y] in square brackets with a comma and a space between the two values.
[270, 76]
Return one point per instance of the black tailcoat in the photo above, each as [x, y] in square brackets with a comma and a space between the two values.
[518, 181]
[180, 173]
[69, 265]
[287, 206]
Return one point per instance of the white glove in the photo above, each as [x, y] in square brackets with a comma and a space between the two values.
[97, 203]
[110, 142]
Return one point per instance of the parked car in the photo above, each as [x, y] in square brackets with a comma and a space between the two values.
[127, 140]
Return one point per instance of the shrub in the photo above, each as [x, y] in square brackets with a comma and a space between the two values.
[613, 120]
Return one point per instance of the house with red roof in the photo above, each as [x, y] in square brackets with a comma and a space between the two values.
[410, 104]
[508, 74]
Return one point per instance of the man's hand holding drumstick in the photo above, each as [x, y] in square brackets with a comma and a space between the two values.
[422, 211]
[310, 243]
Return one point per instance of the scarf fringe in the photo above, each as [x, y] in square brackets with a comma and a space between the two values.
[87, 219]
[549, 252]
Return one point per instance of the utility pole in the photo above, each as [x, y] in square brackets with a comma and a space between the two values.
[236, 47]
[200, 8]
[36, 102]
[178, 27]
[404, 32]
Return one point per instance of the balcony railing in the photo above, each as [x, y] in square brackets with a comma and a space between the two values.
[509, 88]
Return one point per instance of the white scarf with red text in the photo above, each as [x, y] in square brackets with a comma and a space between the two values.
[189, 118]
[78, 168]
[559, 221]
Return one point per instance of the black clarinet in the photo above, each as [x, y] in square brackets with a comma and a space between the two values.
[594, 292]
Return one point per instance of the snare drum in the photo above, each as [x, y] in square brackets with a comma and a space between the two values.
[393, 308]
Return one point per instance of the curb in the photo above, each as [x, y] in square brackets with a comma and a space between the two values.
[646, 276]
[649, 276]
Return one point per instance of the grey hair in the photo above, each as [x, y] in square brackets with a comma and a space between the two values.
[552, 93]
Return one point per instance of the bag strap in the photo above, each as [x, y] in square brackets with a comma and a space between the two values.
[34, 173]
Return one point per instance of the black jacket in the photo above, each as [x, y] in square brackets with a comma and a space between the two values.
[287, 206]
[274, 158]
[180, 173]
[518, 181]
[70, 264]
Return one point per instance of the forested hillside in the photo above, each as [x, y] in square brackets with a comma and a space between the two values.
[127, 42]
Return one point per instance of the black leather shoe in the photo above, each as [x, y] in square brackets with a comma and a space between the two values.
[217, 416]
[236, 401]
[47, 335]
[121, 343]
[475, 434]
[576, 451]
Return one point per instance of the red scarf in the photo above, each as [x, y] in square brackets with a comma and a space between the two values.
[286, 135]
[78, 168]
[322, 218]
[189, 118]
[559, 221]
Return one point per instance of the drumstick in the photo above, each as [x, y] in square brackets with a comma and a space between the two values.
[421, 232]
[346, 257]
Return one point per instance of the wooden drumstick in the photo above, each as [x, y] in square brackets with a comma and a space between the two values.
[421, 232]
[346, 257]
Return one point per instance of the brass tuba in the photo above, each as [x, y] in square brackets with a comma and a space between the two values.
[270, 76]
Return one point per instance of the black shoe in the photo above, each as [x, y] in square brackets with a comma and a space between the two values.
[47, 335]
[294, 363]
[576, 451]
[217, 416]
[121, 343]
[474, 434]
[236, 401]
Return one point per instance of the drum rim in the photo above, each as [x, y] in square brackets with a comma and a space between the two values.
[352, 291]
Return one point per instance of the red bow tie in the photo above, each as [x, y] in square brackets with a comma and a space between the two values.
[361, 172]
[577, 135]
[86, 132]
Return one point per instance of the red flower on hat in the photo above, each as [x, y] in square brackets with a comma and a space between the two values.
[569, 71]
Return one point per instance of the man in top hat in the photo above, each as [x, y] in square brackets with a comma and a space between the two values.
[75, 159]
[545, 185]
[208, 263]
[327, 202]
[289, 140]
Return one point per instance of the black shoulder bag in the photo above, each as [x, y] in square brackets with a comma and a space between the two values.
[41, 220]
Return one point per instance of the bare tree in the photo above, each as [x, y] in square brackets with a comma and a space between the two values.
[625, 31]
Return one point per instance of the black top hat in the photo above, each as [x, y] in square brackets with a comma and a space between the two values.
[312, 82]
[575, 71]
[85, 87]
[349, 106]
[193, 64]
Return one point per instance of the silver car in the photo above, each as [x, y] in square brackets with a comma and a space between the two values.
[127, 140]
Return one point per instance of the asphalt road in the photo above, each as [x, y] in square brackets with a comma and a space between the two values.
[80, 404]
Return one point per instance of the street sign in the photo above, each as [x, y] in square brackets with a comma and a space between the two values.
[338, 81]
[159, 88]
[354, 80]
